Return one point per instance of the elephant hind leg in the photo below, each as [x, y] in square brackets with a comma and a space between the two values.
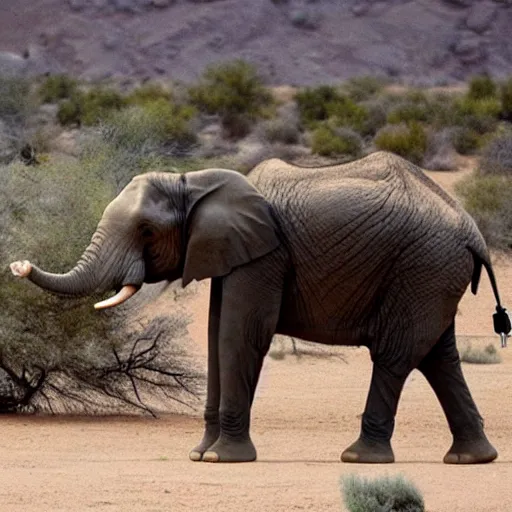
[442, 368]
[378, 422]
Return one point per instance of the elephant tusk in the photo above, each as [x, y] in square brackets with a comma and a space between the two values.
[124, 294]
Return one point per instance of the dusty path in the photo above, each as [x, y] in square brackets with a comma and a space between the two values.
[306, 411]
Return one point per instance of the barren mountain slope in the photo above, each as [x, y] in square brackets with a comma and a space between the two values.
[291, 41]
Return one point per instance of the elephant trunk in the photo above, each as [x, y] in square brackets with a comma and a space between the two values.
[100, 269]
[82, 280]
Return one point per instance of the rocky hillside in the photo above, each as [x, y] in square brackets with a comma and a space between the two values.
[292, 41]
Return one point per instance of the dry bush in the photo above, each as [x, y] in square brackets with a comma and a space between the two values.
[58, 354]
[390, 494]
[440, 154]
[497, 155]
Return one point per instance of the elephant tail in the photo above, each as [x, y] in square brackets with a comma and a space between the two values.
[502, 324]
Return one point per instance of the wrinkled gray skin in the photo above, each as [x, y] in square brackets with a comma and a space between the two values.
[368, 253]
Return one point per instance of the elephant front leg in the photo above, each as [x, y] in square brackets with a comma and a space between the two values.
[249, 317]
[211, 412]
[378, 422]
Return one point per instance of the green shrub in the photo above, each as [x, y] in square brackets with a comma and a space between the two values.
[480, 115]
[345, 112]
[315, 104]
[98, 103]
[363, 88]
[329, 141]
[506, 99]
[465, 140]
[236, 93]
[57, 87]
[481, 87]
[390, 494]
[406, 140]
[408, 111]
[325, 102]
[149, 93]
[487, 355]
[91, 107]
[441, 109]
[69, 113]
[487, 199]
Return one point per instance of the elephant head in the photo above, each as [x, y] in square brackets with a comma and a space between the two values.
[165, 226]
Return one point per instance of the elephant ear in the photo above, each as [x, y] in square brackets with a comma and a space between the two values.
[228, 224]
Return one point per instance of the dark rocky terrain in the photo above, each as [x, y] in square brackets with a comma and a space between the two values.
[295, 42]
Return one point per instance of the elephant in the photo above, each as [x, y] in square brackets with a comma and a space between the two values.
[368, 253]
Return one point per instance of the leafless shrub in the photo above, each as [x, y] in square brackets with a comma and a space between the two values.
[497, 155]
[440, 154]
[58, 354]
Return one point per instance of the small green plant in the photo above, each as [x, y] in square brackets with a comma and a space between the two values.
[481, 87]
[386, 494]
[329, 141]
[236, 93]
[406, 140]
[486, 355]
[57, 87]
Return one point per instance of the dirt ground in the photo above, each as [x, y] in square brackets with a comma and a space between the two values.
[306, 411]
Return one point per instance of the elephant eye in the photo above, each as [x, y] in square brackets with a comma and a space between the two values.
[147, 232]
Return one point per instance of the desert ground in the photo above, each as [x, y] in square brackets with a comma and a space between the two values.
[306, 412]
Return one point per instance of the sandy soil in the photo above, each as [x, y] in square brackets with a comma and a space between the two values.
[306, 411]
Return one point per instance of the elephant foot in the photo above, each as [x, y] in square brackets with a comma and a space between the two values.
[229, 450]
[364, 451]
[471, 452]
[210, 436]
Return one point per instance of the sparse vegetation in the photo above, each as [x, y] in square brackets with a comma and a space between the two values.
[390, 494]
